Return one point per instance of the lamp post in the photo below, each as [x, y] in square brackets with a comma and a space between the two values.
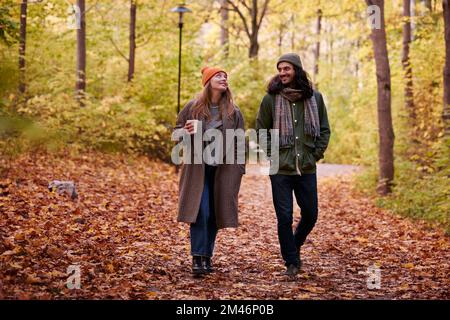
[180, 9]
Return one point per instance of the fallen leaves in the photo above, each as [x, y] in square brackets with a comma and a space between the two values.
[409, 265]
[122, 232]
[54, 252]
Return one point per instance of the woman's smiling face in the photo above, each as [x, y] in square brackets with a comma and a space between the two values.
[219, 82]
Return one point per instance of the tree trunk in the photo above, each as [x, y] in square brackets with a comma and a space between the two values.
[412, 4]
[254, 47]
[256, 19]
[293, 46]
[357, 46]
[408, 91]
[224, 32]
[446, 110]
[81, 55]
[280, 39]
[385, 130]
[132, 55]
[22, 45]
[317, 51]
[330, 45]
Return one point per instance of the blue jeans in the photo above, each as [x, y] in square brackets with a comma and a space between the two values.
[204, 230]
[305, 190]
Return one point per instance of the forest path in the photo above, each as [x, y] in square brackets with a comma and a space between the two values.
[123, 235]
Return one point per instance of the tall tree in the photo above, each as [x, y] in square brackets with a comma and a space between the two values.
[317, 49]
[385, 129]
[407, 68]
[293, 32]
[281, 29]
[80, 86]
[224, 31]
[132, 54]
[412, 5]
[252, 18]
[22, 45]
[446, 109]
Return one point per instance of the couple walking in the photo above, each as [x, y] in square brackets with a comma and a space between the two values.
[208, 192]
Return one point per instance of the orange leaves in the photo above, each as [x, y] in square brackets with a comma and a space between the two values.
[54, 252]
[122, 233]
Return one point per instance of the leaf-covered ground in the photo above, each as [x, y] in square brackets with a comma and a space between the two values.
[122, 232]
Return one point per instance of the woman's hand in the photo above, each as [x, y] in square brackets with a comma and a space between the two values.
[189, 127]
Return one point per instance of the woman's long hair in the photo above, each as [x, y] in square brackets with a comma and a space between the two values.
[200, 108]
[302, 82]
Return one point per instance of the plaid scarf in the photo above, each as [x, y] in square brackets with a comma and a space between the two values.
[283, 116]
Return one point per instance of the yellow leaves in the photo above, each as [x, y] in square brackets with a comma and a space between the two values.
[404, 287]
[409, 265]
[19, 237]
[304, 276]
[443, 244]
[427, 169]
[158, 200]
[32, 279]
[313, 289]
[348, 295]
[361, 240]
[57, 274]
[109, 268]
[104, 205]
[151, 294]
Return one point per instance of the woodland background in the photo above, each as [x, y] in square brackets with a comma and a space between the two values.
[84, 105]
[134, 112]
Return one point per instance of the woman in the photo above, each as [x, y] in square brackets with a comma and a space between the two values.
[208, 192]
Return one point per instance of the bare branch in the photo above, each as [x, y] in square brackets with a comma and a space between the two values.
[118, 50]
[266, 3]
[163, 9]
[88, 9]
[239, 12]
[245, 5]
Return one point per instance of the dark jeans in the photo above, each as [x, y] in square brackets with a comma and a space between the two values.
[305, 190]
[204, 230]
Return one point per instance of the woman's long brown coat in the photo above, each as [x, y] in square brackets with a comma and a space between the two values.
[226, 184]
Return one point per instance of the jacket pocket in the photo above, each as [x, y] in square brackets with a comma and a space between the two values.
[308, 159]
[287, 159]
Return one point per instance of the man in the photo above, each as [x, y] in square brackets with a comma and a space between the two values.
[299, 113]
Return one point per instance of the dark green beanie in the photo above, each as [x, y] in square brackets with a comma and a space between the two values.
[292, 58]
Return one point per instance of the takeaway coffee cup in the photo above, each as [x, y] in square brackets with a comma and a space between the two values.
[195, 125]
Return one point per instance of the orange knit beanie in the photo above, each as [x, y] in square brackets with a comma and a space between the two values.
[209, 72]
